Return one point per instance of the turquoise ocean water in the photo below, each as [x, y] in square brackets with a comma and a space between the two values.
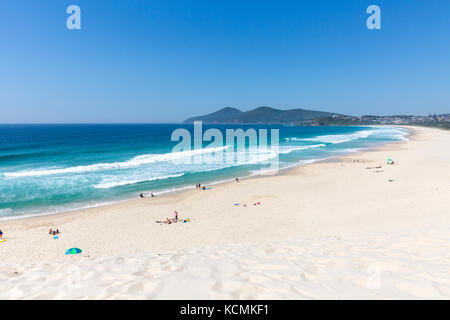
[53, 168]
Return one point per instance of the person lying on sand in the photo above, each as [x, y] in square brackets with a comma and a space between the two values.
[174, 220]
[167, 221]
[379, 167]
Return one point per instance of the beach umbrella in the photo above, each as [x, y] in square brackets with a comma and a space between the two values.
[73, 251]
[389, 160]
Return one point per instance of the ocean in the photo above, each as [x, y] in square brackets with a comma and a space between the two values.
[54, 168]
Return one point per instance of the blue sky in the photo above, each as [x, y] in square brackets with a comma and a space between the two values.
[164, 61]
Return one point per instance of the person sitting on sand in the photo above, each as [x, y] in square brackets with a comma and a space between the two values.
[168, 221]
[50, 232]
[1, 234]
[57, 231]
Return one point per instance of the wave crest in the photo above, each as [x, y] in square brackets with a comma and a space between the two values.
[112, 184]
[135, 162]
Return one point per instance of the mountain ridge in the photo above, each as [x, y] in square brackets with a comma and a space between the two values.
[263, 114]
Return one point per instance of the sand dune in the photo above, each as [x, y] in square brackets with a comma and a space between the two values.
[364, 266]
[336, 229]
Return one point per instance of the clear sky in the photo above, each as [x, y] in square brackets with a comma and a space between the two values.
[164, 61]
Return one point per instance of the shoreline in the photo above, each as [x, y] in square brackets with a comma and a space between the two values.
[183, 189]
[55, 218]
[320, 231]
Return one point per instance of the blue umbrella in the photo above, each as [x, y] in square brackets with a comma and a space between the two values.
[73, 251]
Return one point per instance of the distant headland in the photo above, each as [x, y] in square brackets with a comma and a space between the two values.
[298, 116]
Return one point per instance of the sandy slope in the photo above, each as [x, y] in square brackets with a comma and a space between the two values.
[327, 230]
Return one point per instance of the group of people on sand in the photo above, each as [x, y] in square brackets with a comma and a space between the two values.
[199, 186]
[53, 232]
[175, 219]
[142, 195]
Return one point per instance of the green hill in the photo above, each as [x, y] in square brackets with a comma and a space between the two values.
[260, 115]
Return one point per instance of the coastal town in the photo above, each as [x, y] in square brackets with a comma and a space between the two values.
[432, 120]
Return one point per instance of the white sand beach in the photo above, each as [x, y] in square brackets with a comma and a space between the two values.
[336, 229]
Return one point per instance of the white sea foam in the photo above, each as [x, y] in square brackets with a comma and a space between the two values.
[393, 133]
[287, 150]
[112, 184]
[348, 150]
[337, 138]
[135, 162]
[254, 156]
[380, 132]
[5, 212]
